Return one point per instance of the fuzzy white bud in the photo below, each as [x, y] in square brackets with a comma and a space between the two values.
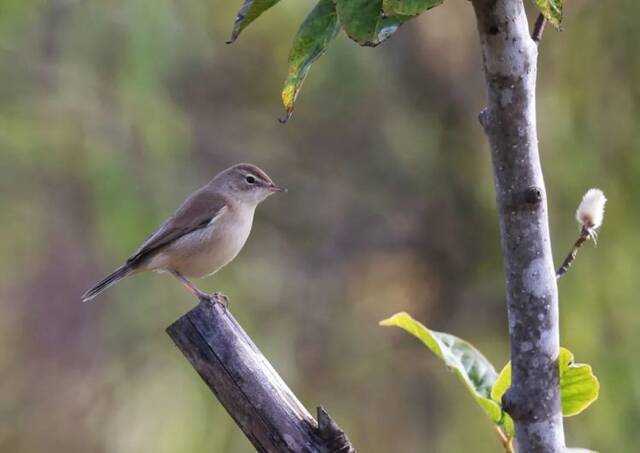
[591, 210]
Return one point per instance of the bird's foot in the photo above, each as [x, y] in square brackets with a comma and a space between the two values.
[221, 299]
[215, 298]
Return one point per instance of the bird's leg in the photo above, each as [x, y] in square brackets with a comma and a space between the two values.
[201, 295]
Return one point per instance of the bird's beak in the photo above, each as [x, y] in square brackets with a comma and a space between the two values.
[274, 188]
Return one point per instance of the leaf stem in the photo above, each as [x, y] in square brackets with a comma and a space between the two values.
[505, 440]
[538, 29]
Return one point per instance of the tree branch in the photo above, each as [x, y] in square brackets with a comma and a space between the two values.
[510, 60]
[249, 388]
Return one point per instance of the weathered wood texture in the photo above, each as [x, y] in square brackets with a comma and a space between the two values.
[249, 388]
[510, 61]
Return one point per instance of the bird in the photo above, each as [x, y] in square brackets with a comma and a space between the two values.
[203, 235]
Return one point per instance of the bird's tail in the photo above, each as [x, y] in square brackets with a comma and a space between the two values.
[108, 281]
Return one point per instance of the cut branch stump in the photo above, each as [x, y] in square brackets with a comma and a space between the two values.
[249, 388]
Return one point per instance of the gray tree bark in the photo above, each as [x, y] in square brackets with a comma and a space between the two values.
[510, 61]
[249, 388]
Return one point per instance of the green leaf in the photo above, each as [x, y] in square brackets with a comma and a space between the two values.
[365, 22]
[578, 386]
[250, 11]
[551, 10]
[578, 450]
[408, 7]
[315, 34]
[473, 369]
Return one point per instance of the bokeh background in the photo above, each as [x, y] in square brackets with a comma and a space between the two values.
[111, 112]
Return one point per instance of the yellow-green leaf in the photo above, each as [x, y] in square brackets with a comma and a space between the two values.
[502, 384]
[551, 10]
[249, 11]
[315, 34]
[408, 7]
[473, 369]
[578, 385]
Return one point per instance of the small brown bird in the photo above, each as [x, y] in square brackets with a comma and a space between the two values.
[206, 232]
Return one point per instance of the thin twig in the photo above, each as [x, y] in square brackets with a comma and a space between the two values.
[538, 29]
[585, 234]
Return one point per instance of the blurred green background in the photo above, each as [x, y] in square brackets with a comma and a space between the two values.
[111, 112]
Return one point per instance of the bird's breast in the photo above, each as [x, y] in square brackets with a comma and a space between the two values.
[206, 250]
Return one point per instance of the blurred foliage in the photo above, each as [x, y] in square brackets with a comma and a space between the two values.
[112, 112]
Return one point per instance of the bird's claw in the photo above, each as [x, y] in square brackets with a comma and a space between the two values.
[215, 298]
[222, 300]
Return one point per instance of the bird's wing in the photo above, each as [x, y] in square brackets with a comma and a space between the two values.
[195, 213]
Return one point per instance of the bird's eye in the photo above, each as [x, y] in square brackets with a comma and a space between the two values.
[251, 179]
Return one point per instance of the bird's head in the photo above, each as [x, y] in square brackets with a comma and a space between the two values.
[246, 183]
